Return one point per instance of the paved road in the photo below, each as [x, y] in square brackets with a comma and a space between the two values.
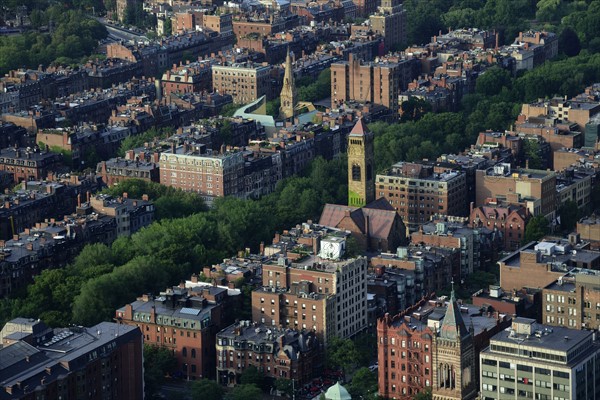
[118, 33]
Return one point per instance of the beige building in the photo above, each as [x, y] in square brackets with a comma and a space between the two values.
[562, 110]
[325, 293]
[245, 82]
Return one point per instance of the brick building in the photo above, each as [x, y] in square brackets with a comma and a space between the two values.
[276, 353]
[416, 346]
[28, 164]
[103, 362]
[187, 168]
[185, 321]
[378, 83]
[390, 22]
[506, 219]
[188, 78]
[131, 214]
[538, 264]
[535, 189]
[143, 166]
[418, 191]
[573, 300]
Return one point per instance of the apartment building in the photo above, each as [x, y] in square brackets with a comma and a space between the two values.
[377, 83]
[320, 290]
[28, 164]
[390, 22]
[573, 300]
[277, 353]
[184, 319]
[103, 362]
[562, 110]
[536, 361]
[507, 219]
[535, 189]
[419, 190]
[245, 82]
[189, 78]
[131, 214]
[189, 167]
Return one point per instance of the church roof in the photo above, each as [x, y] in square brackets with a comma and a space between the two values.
[453, 327]
[360, 128]
[381, 217]
[337, 392]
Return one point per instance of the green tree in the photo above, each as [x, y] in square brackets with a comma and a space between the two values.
[532, 153]
[285, 386]
[569, 215]
[413, 109]
[168, 27]
[491, 82]
[342, 353]
[245, 392]
[568, 42]
[252, 376]
[158, 362]
[424, 394]
[536, 228]
[364, 384]
[206, 389]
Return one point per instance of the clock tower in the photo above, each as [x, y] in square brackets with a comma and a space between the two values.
[361, 160]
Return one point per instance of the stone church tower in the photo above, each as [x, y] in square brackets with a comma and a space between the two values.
[288, 96]
[453, 358]
[361, 166]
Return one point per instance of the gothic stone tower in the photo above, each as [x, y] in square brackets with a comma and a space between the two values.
[453, 358]
[361, 160]
[288, 96]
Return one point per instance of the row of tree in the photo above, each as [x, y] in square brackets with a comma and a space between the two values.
[186, 237]
[576, 21]
[495, 105]
[73, 36]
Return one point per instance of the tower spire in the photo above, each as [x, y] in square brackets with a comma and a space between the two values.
[288, 96]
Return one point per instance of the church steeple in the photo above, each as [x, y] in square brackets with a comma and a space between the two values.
[288, 95]
[453, 326]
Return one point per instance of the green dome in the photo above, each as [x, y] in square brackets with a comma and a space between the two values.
[337, 392]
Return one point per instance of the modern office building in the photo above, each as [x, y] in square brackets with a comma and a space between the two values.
[535, 361]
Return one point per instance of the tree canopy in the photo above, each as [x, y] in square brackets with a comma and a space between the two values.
[536, 228]
[74, 37]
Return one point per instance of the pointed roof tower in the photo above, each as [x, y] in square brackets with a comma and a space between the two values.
[360, 128]
[288, 96]
[453, 326]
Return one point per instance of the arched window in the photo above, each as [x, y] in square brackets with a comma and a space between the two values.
[193, 353]
[356, 172]
[184, 352]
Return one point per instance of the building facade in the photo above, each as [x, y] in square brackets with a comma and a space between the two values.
[244, 82]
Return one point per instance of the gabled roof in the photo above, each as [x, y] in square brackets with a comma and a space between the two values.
[453, 327]
[360, 128]
[380, 213]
